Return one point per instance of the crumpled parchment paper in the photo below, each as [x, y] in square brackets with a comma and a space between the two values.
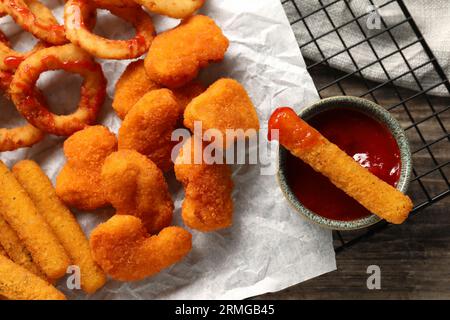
[270, 247]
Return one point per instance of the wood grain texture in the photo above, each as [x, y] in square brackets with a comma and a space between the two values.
[415, 257]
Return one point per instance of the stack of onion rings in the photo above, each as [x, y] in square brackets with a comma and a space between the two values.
[71, 59]
[77, 11]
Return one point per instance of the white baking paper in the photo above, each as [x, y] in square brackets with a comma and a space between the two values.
[270, 247]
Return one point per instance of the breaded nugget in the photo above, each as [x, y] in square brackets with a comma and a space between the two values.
[134, 84]
[19, 211]
[224, 105]
[208, 205]
[176, 56]
[3, 251]
[78, 182]
[135, 186]
[125, 251]
[62, 222]
[148, 127]
[16, 250]
[306, 143]
[17, 283]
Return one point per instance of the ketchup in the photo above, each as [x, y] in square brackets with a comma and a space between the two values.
[361, 137]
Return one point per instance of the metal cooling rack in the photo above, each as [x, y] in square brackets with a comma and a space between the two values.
[414, 109]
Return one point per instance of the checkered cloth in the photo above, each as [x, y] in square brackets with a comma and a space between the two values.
[431, 16]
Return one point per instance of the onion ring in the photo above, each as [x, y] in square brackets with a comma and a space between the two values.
[20, 137]
[75, 13]
[71, 59]
[116, 3]
[179, 9]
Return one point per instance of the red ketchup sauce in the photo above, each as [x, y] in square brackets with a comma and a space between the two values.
[361, 137]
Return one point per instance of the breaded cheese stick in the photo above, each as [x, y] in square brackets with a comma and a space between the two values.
[62, 222]
[306, 143]
[15, 249]
[21, 214]
[17, 283]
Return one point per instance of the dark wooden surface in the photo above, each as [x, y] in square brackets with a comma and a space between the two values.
[415, 257]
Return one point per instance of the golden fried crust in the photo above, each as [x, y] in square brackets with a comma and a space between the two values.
[176, 56]
[17, 283]
[3, 251]
[125, 251]
[224, 105]
[62, 222]
[148, 127]
[186, 93]
[135, 186]
[132, 86]
[78, 182]
[19, 211]
[208, 205]
[16, 250]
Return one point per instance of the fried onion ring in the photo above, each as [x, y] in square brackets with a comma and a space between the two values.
[179, 9]
[20, 137]
[75, 14]
[35, 18]
[71, 59]
[116, 3]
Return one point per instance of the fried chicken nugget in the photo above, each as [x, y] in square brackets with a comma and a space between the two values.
[16, 250]
[78, 182]
[3, 251]
[19, 211]
[224, 105]
[176, 56]
[125, 251]
[17, 283]
[208, 205]
[148, 127]
[62, 222]
[135, 83]
[135, 186]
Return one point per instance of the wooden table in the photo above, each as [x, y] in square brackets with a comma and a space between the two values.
[415, 257]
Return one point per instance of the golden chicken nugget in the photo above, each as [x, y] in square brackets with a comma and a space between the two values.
[125, 251]
[19, 211]
[134, 84]
[176, 56]
[62, 222]
[208, 205]
[3, 251]
[78, 182]
[16, 250]
[148, 127]
[224, 105]
[17, 283]
[135, 186]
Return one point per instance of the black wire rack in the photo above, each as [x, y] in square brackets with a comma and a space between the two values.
[421, 114]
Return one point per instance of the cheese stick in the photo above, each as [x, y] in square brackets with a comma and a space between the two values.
[62, 222]
[17, 283]
[21, 214]
[15, 249]
[306, 143]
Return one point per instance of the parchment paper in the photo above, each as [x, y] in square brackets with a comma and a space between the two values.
[269, 247]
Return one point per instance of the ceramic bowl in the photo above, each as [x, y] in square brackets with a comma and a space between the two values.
[375, 111]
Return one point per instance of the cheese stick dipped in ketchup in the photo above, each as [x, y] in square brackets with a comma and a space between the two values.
[306, 143]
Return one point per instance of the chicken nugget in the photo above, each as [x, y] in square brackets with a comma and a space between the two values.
[134, 185]
[78, 182]
[17, 283]
[176, 56]
[134, 84]
[125, 251]
[19, 211]
[3, 251]
[62, 222]
[15, 249]
[224, 105]
[208, 205]
[148, 127]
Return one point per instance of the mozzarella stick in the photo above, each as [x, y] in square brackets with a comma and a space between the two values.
[19, 211]
[306, 143]
[16, 250]
[17, 283]
[62, 222]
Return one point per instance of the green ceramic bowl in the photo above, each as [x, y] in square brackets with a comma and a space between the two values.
[375, 111]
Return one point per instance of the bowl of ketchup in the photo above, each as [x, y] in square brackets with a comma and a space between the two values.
[367, 133]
